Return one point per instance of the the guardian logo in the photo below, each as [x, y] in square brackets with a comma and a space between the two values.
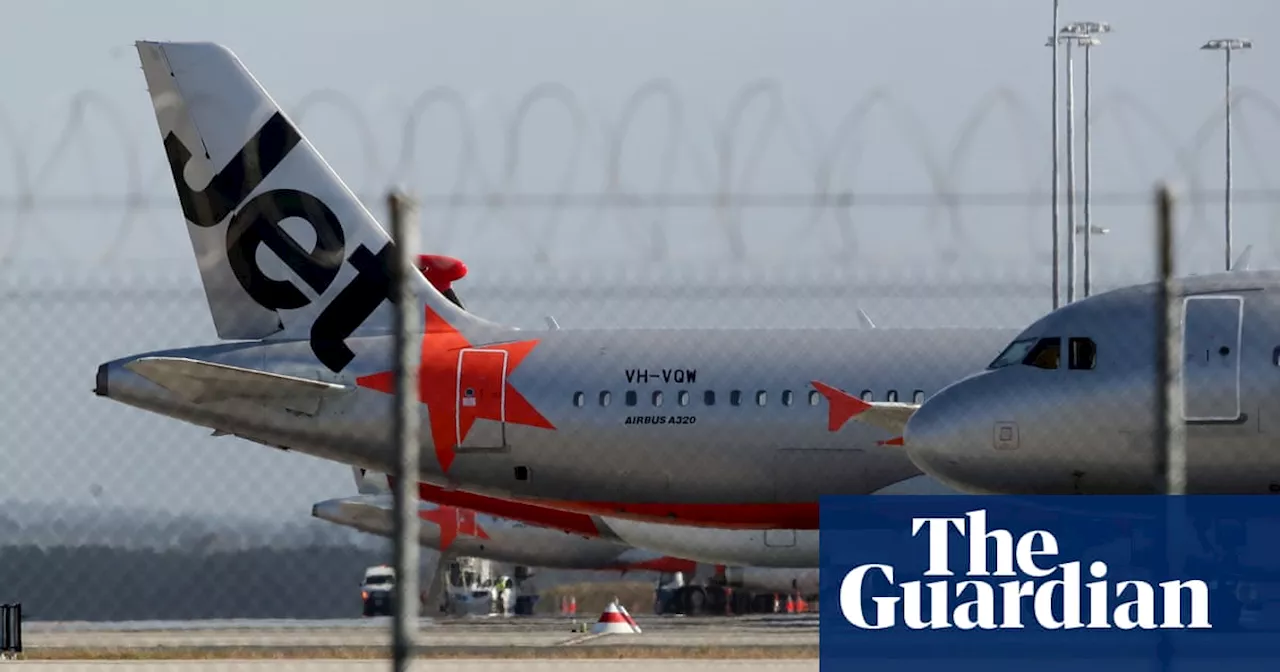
[1055, 591]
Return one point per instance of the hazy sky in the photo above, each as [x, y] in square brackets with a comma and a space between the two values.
[1158, 115]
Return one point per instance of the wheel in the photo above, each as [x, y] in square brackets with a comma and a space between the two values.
[762, 604]
[695, 602]
[741, 603]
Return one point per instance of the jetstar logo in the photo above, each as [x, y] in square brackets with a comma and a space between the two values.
[461, 384]
[454, 522]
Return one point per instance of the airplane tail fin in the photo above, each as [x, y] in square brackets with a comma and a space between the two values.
[371, 482]
[283, 245]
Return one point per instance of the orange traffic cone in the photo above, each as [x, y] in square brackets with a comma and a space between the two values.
[791, 605]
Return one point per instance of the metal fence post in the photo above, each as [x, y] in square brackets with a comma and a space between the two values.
[10, 630]
[1171, 465]
[406, 604]
[1171, 451]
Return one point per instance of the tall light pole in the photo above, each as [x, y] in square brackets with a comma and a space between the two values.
[1069, 39]
[1057, 234]
[1228, 45]
[1085, 32]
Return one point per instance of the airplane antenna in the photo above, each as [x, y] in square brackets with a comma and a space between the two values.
[1242, 261]
[866, 319]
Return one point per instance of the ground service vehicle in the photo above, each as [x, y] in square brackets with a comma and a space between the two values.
[376, 590]
[734, 591]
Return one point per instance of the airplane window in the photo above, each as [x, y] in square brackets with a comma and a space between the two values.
[579, 399]
[867, 395]
[657, 398]
[1045, 354]
[786, 397]
[735, 398]
[1083, 353]
[918, 397]
[813, 398]
[1275, 356]
[605, 398]
[709, 397]
[631, 397]
[1013, 354]
[683, 398]
[892, 396]
[760, 398]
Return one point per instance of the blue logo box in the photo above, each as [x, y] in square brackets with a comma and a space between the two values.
[1045, 583]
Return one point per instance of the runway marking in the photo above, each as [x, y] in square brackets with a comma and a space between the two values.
[581, 638]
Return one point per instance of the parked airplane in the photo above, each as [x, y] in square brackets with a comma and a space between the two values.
[1070, 405]
[762, 558]
[715, 427]
[470, 533]
[462, 532]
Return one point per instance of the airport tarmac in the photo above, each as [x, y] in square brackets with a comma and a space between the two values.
[474, 665]
[471, 635]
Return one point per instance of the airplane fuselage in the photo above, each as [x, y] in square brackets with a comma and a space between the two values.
[728, 428]
[713, 427]
[1087, 423]
[472, 534]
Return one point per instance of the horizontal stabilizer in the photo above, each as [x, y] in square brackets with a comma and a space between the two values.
[202, 382]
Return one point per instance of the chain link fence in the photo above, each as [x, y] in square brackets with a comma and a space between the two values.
[115, 514]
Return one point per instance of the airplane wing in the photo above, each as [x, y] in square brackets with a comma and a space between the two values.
[204, 382]
[887, 415]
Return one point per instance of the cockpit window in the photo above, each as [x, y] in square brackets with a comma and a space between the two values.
[1045, 354]
[1083, 354]
[1014, 354]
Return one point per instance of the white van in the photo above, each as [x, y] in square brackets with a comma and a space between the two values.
[376, 590]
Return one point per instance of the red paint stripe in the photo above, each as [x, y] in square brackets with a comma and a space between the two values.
[574, 517]
[799, 516]
[533, 514]
[663, 564]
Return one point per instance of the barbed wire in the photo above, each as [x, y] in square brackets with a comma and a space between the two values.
[725, 179]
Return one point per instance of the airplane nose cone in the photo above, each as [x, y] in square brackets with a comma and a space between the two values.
[950, 436]
[929, 437]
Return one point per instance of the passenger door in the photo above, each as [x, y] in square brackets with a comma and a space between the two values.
[481, 397]
[1212, 328]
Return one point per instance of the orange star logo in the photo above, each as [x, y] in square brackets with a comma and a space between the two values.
[461, 384]
[452, 523]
